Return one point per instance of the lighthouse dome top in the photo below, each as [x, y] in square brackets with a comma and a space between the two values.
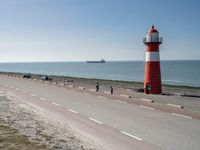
[152, 30]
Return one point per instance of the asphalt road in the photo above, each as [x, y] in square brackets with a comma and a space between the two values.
[113, 123]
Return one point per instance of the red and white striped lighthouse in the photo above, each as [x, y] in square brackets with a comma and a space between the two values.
[152, 76]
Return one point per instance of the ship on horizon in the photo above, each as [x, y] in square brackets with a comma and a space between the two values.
[97, 61]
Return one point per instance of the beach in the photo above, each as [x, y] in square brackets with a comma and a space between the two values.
[73, 114]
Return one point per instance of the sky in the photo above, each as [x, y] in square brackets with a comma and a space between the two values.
[79, 30]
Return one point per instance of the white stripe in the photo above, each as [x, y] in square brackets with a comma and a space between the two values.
[17, 89]
[130, 135]
[73, 111]
[55, 104]
[86, 93]
[32, 94]
[182, 116]
[99, 122]
[147, 100]
[102, 97]
[121, 101]
[152, 56]
[91, 89]
[106, 92]
[174, 105]
[42, 98]
[127, 96]
[147, 107]
[24, 91]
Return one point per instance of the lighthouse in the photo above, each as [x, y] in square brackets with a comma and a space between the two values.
[152, 75]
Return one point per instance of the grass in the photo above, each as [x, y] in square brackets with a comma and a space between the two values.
[10, 139]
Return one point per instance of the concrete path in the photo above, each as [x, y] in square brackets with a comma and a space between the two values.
[115, 124]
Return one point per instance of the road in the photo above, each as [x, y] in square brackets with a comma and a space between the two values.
[115, 124]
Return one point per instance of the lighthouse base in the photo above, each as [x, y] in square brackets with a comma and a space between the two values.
[152, 78]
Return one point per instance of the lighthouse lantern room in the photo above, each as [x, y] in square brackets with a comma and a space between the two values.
[152, 75]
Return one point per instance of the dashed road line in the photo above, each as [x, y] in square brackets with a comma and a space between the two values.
[73, 111]
[147, 107]
[17, 89]
[56, 104]
[86, 93]
[121, 101]
[32, 94]
[182, 115]
[102, 97]
[147, 100]
[130, 135]
[99, 122]
[43, 99]
[24, 91]
[92, 90]
[174, 105]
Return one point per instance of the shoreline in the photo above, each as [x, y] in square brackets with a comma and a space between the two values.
[96, 79]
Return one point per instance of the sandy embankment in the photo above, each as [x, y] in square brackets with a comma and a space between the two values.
[40, 128]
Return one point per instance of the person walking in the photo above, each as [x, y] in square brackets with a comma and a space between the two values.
[111, 90]
[97, 86]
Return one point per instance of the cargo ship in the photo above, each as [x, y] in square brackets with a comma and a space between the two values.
[98, 61]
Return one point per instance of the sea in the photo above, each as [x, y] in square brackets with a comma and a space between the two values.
[179, 72]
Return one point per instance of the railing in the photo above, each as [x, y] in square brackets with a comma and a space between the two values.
[153, 40]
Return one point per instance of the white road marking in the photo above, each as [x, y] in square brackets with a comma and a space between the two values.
[11, 87]
[24, 91]
[73, 111]
[71, 86]
[174, 105]
[86, 93]
[102, 97]
[53, 86]
[32, 94]
[82, 88]
[182, 116]
[92, 90]
[17, 89]
[147, 100]
[42, 98]
[1, 92]
[147, 107]
[99, 122]
[56, 104]
[130, 135]
[121, 101]
[106, 92]
[126, 96]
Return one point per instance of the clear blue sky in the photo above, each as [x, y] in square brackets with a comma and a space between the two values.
[73, 30]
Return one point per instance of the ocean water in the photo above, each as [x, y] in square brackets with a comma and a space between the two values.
[173, 72]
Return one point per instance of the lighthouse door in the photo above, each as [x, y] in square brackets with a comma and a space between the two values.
[148, 88]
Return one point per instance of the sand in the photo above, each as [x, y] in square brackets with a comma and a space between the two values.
[38, 128]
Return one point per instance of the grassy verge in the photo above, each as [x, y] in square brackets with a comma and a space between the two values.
[10, 139]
